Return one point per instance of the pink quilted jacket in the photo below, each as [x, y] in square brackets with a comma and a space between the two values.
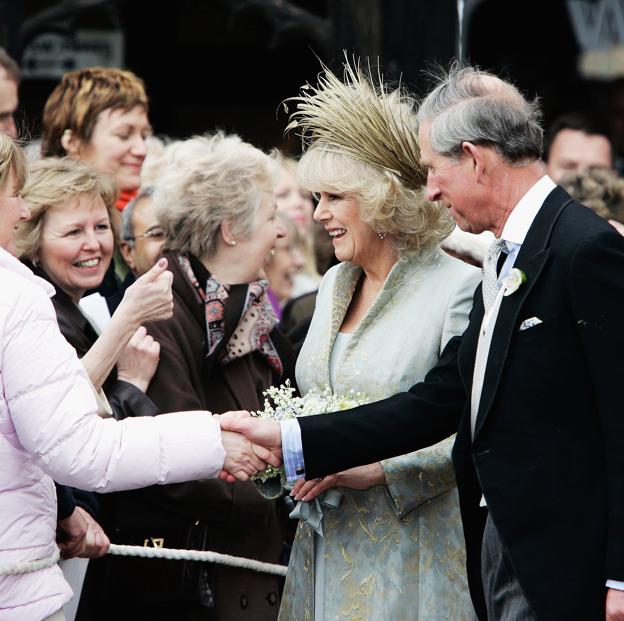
[49, 430]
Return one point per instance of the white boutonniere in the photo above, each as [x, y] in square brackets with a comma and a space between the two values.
[513, 281]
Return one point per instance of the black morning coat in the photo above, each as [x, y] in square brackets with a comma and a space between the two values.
[548, 451]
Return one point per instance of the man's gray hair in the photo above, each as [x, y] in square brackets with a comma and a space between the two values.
[470, 105]
[127, 222]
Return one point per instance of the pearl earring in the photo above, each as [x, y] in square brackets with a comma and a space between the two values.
[232, 242]
[381, 235]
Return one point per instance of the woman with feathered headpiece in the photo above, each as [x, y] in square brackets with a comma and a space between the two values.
[389, 542]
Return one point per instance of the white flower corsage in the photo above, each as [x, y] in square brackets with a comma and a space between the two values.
[513, 281]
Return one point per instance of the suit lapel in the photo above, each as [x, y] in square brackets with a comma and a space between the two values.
[531, 260]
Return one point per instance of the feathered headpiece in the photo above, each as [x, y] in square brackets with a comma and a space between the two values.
[361, 120]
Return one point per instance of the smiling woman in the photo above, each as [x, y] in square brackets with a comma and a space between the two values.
[99, 115]
[382, 317]
[68, 241]
[220, 351]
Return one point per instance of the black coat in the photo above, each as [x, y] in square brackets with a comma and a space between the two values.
[548, 451]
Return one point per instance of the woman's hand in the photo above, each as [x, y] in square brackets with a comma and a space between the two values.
[362, 477]
[80, 535]
[149, 298]
[139, 360]
[243, 458]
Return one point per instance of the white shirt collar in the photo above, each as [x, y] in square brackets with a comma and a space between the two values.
[523, 214]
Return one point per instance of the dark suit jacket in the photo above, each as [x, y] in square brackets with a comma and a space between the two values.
[548, 451]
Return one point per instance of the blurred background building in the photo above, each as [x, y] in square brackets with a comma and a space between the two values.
[230, 63]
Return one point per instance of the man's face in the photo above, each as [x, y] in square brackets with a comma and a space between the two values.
[574, 151]
[453, 183]
[8, 104]
[148, 238]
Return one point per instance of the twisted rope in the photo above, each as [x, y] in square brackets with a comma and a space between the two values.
[167, 553]
[28, 566]
[198, 555]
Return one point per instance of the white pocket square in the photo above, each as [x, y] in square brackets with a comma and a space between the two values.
[529, 323]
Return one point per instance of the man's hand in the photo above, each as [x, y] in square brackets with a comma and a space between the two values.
[362, 477]
[263, 432]
[615, 605]
[80, 535]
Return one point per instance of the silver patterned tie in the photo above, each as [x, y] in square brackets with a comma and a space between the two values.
[489, 286]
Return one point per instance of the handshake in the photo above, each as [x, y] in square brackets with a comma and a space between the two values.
[250, 445]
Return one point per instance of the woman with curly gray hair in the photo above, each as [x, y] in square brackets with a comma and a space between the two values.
[382, 318]
[220, 351]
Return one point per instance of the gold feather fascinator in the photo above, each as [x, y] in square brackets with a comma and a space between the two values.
[361, 118]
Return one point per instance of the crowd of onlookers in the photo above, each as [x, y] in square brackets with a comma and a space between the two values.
[105, 200]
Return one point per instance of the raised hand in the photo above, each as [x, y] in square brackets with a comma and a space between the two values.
[80, 535]
[362, 477]
[150, 297]
[139, 360]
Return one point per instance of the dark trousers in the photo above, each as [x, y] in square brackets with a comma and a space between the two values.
[504, 598]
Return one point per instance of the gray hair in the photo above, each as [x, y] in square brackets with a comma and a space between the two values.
[127, 223]
[470, 105]
[206, 182]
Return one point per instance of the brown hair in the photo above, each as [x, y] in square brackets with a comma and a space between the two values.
[79, 98]
[600, 190]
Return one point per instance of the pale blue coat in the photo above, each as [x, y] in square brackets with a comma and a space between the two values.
[393, 552]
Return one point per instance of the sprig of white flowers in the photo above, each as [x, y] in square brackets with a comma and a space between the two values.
[281, 404]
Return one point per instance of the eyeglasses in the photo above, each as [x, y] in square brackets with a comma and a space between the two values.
[154, 233]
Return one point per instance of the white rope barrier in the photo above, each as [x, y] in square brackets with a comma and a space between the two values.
[198, 555]
[28, 566]
[166, 553]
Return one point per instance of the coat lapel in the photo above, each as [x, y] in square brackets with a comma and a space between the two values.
[531, 260]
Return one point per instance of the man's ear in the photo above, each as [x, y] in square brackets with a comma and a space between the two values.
[477, 158]
[127, 254]
[71, 143]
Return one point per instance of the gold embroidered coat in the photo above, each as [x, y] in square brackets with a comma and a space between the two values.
[394, 552]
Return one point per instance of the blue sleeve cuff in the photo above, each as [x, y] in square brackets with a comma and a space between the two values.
[292, 450]
[615, 584]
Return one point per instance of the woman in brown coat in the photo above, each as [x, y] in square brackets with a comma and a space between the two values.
[219, 352]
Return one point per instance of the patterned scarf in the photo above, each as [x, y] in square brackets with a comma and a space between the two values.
[255, 323]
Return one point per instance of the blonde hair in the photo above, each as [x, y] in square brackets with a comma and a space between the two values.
[208, 181]
[155, 159]
[361, 140]
[12, 158]
[80, 97]
[413, 223]
[53, 182]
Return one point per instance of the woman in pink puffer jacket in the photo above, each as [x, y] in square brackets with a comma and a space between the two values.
[49, 429]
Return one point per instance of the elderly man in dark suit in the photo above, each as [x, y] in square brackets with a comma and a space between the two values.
[533, 385]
